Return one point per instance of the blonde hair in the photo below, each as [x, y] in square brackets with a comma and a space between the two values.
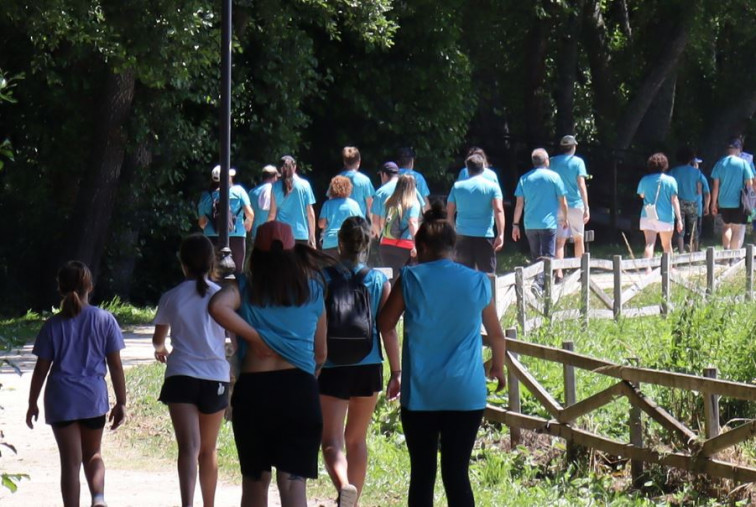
[404, 196]
[341, 186]
[350, 155]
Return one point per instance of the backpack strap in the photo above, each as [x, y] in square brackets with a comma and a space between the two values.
[361, 274]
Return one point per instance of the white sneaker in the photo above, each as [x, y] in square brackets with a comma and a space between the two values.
[348, 496]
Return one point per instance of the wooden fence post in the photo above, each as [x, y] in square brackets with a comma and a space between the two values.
[665, 265]
[519, 291]
[710, 270]
[711, 407]
[585, 288]
[636, 436]
[570, 393]
[617, 264]
[548, 284]
[749, 272]
[514, 393]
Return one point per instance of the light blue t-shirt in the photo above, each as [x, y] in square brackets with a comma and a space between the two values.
[362, 188]
[420, 183]
[704, 190]
[732, 173]
[77, 347]
[237, 199]
[667, 187]
[570, 168]
[335, 211]
[541, 189]
[384, 192]
[488, 174]
[259, 199]
[442, 362]
[687, 178]
[406, 216]
[288, 330]
[474, 200]
[374, 282]
[292, 209]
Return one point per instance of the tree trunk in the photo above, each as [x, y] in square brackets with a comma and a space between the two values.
[567, 65]
[90, 221]
[655, 126]
[595, 41]
[535, 76]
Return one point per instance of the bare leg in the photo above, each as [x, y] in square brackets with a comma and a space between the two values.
[559, 253]
[666, 241]
[334, 415]
[292, 488]
[738, 236]
[69, 447]
[185, 417]
[648, 250]
[579, 245]
[94, 467]
[255, 492]
[358, 420]
[726, 236]
[209, 425]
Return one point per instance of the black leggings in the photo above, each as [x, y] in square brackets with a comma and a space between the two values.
[457, 431]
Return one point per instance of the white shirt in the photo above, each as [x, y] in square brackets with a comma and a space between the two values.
[197, 341]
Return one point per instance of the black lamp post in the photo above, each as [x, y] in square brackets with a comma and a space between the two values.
[226, 263]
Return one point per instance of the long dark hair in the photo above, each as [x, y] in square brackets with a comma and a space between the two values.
[436, 237]
[282, 277]
[74, 283]
[197, 255]
[288, 166]
[354, 239]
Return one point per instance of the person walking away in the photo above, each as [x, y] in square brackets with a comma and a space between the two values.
[335, 210]
[541, 196]
[731, 175]
[277, 314]
[241, 215]
[690, 189]
[389, 173]
[488, 173]
[362, 188]
[349, 391]
[197, 374]
[405, 159]
[260, 198]
[292, 203]
[400, 219]
[659, 194]
[443, 388]
[72, 349]
[478, 204]
[571, 169]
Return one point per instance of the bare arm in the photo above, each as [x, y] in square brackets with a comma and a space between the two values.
[41, 369]
[321, 347]
[391, 346]
[584, 195]
[118, 413]
[222, 308]
[249, 217]
[389, 314]
[498, 209]
[413, 225]
[707, 203]
[497, 343]
[311, 224]
[678, 216]
[273, 208]
[202, 222]
[563, 207]
[322, 223]
[369, 204]
[714, 196]
[516, 224]
[427, 206]
[158, 342]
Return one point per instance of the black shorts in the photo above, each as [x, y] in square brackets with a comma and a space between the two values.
[210, 396]
[344, 382]
[476, 253]
[733, 216]
[277, 422]
[91, 423]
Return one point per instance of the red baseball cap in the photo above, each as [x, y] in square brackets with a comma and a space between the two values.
[270, 232]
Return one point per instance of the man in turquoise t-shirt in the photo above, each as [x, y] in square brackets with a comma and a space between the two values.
[488, 173]
[731, 175]
[689, 190]
[478, 204]
[405, 159]
[541, 194]
[259, 197]
[362, 187]
[571, 169]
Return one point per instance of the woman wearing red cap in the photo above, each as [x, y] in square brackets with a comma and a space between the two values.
[277, 312]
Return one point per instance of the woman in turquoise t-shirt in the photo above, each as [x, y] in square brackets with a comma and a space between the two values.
[349, 392]
[443, 380]
[660, 190]
[335, 210]
[401, 212]
[278, 316]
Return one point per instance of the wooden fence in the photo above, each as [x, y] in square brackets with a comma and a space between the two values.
[615, 283]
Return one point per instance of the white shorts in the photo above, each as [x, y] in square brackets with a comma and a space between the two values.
[646, 224]
[575, 225]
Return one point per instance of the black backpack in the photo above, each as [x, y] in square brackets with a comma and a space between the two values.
[215, 215]
[350, 319]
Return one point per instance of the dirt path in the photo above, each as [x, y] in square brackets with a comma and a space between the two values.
[127, 483]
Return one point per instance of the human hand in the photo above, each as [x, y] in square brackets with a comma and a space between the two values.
[586, 215]
[497, 372]
[714, 209]
[498, 242]
[393, 389]
[32, 415]
[161, 353]
[311, 241]
[679, 226]
[515, 233]
[117, 415]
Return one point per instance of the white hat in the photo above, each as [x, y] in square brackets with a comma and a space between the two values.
[215, 173]
[568, 141]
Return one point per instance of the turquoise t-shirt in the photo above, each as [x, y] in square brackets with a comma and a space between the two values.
[259, 199]
[406, 215]
[374, 282]
[667, 188]
[570, 168]
[442, 362]
[292, 209]
[687, 178]
[474, 200]
[335, 211]
[488, 174]
[704, 190]
[541, 189]
[384, 192]
[237, 199]
[362, 188]
[732, 173]
[420, 183]
[288, 330]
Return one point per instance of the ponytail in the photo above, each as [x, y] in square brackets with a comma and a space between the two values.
[288, 166]
[74, 284]
[197, 255]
